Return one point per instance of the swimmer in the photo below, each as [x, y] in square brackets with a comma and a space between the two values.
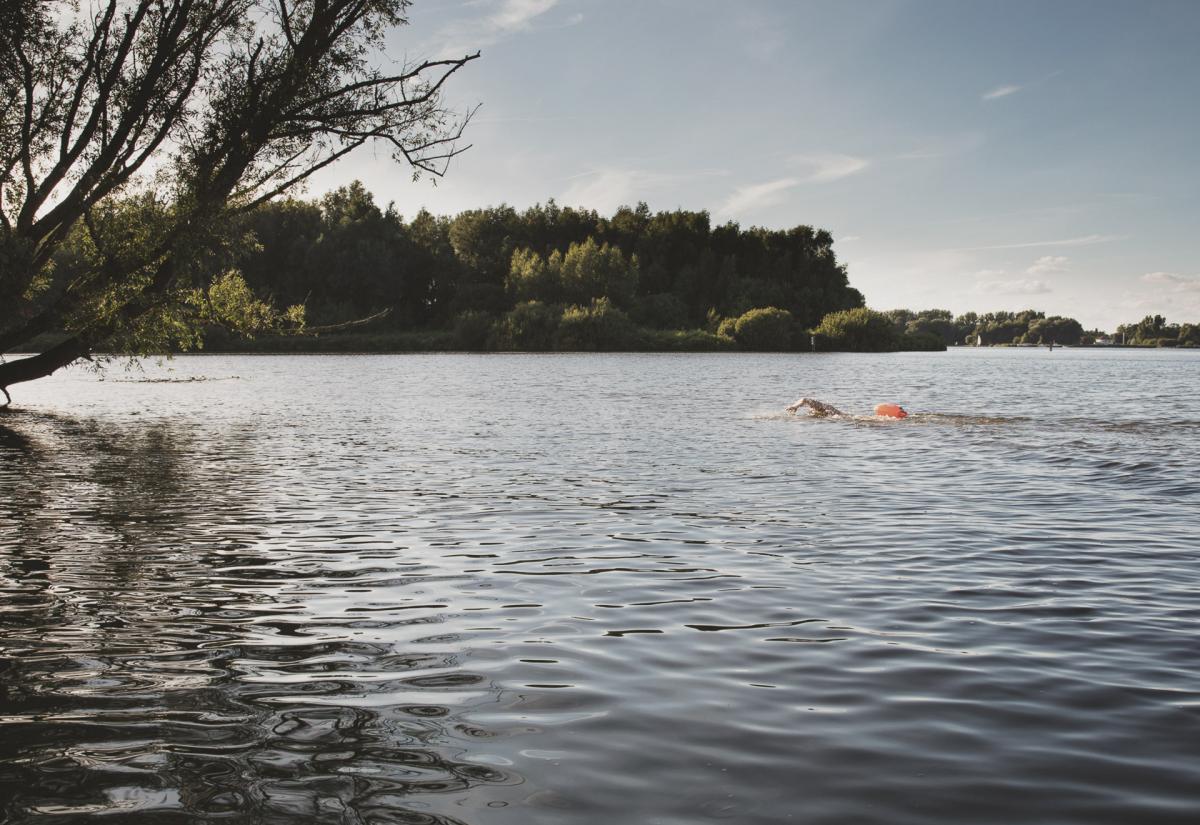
[821, 409]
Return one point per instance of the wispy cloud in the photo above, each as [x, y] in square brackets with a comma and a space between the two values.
[1012, 88]
[827, 167]
[1048, 265]
[1173, 280]
[819, 168]
[611, 187]
[1001, 91]
[1083, 240]
[933, 147]
[513, 14]
[757, 196]
[1172, 294]
[504, 18]
[1017, 286]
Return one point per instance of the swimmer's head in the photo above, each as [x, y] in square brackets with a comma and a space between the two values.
[890, 411]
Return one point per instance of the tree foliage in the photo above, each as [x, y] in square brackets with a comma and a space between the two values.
[764, 329]
[134, 132]
[666, 270]
[1155, 331]
[858, 330]
[599, 326]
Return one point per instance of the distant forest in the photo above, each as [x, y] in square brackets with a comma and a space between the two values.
[559, 278]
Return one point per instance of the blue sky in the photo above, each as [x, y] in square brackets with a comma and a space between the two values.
[964, 154]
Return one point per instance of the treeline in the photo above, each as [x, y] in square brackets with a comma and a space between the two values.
[1154, 331]
[1033, 327]
[993, 328]
[547, 277]
[558, 278]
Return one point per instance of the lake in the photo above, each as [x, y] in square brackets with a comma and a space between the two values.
[603, 588]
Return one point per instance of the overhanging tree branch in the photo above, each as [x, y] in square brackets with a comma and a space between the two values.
[232, 102]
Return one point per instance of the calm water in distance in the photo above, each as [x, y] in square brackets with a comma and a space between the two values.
[603, 589]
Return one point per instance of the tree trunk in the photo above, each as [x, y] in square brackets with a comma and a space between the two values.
[41, 365]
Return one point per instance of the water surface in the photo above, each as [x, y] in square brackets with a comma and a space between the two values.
[583, 589]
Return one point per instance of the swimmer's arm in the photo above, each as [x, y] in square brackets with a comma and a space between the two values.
[818, 407]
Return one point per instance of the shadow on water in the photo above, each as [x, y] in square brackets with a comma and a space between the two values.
[160, 660]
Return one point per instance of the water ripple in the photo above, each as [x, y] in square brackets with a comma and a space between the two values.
[555, 589]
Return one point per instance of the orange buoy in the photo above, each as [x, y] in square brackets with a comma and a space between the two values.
[890, 411]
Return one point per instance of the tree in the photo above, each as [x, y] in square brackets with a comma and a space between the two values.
[529, 326]
[598, 326]
[935, 323]
[530, 279]
[137, 129]
[858, 330]
[1055, 330]
[764, 329]
[590, 271]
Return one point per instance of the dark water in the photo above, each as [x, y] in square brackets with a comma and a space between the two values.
[593, 589]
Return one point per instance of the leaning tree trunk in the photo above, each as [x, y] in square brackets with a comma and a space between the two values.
[40, 365]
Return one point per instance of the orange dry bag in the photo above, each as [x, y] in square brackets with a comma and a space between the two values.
[890, 411]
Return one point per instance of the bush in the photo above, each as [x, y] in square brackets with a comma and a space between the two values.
[922, 342]
[857, 330]
[529, 326]
[600, 326]
[685, 340]
[472, 329]
[764, 329]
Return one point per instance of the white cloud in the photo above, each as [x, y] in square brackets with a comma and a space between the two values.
[1176, 282]
[507, 17]
[1018, 286]
[515, 14]
[933, 147]
[608, 188]
[989, 273]
[757, 196]
[1048, 264]
[821, 168]
[828, 167]
[1012, 88]
[1085, 240]
[1170, 294]
[849, 238]
[1000, 91]
[604, 190]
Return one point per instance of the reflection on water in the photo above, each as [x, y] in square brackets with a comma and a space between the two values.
[459, 589]
[162, 655]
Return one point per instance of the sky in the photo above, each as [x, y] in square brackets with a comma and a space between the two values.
[965, 155]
